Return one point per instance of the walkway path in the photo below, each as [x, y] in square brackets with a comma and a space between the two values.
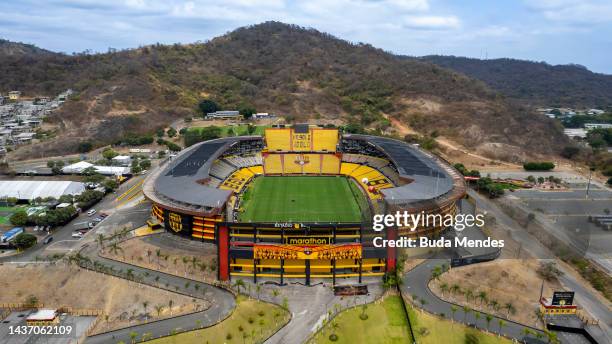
[223, 303]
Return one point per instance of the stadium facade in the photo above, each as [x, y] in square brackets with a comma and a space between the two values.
[203, 193]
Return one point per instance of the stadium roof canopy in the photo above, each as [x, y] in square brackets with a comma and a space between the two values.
[181, 180]
[429, 178]
[32, 189]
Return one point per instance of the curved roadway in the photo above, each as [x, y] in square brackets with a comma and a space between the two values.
[222, 304]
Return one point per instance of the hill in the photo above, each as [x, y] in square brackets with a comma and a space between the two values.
[536, 83]
[273, 67]
[8, 48]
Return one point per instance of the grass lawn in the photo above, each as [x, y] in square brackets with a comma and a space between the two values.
[6, 212]
[228, 331]
[386, 323]
[430, 329]
[300, 198]
[239, 130]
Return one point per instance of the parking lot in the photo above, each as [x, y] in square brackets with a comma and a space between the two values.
[570, 210]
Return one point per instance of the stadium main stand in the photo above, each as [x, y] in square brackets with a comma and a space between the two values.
[273, 164]
[293, 163]
[301, 138]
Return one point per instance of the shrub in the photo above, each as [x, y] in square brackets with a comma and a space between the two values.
[19, 218]
[538, 166]
[24, 240]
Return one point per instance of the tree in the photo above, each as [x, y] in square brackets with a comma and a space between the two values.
[110, 185]
[135, 169]
[208, 106]
[453, 311]
[159, 309]
[488, 319]
[85, 147]
[19, 218]
[247, 112]
[466, 311]
[509, 308]
[570, 151]
[501, 324]
[443, 288]
[109, 153]
[482, 296]
[239, 284]
[171, 132]
[145, 164]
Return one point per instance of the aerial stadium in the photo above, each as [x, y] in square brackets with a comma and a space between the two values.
[297, 203]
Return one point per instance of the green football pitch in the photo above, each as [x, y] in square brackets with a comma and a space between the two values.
[301, 199]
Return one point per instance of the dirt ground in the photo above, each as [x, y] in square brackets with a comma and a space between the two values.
[61, 286]
[514, 281]
[172, 259]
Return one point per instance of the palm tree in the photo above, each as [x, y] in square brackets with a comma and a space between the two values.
[185, 261]
[494, 304]
[482, 295]
[159, 309]
[469, 294]
[149, 253]
[239, 284]
[477, 316]
[334, 326]
[455, 288]
[526, 332]
[145, 304]
[258, 290]
[443, 288]
[275, 293]
[194, 263]
[453, 311]
[501, 324]
[509, 308]
[133, 336]
[158, 254]
[100, 239]
[488, 319]
[115, 248]
[466, 311]
[170, 303]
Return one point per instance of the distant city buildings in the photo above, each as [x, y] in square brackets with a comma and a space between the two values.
[21, 116]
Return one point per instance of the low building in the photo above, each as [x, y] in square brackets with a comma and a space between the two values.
[591, 126]
[23, 138]
[14, 95]
[43, 317]
[223, 115]
[122, 160]
[595, 112]
[79, 167]
[28, 190]
[572, 133]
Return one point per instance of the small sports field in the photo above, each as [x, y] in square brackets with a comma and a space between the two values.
[301, 199]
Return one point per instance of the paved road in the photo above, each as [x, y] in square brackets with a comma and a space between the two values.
[62, 235]
[223, 303]
[585, 297]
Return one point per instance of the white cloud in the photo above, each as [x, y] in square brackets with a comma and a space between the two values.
[574, 12]
[432, 22]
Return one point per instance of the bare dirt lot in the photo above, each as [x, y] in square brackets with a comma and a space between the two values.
[170, 254]
[505, 281]
[122, 301]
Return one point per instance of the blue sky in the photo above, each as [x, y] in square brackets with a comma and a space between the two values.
[555, 31]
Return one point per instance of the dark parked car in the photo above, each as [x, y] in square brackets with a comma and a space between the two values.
[47, 240]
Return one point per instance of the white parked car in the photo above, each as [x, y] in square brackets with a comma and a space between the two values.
[91, 212]
[77, 235]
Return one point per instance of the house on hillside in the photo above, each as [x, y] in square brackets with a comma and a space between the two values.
[595, 112]
[14, 95]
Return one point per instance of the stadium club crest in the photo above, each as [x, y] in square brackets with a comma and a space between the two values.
[307, 251]
[302, 160]
[175, 222]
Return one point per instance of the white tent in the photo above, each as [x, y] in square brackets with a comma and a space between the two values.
[31, 189]
[77, 168]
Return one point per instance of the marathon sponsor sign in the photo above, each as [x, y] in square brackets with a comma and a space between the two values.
[269, 251]
[304, 241]
[562, 298]
[178, 223]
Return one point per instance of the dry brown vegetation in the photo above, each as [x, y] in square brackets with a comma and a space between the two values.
[505, 281]
[62, 286]
[199, 264]
[291, 71]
